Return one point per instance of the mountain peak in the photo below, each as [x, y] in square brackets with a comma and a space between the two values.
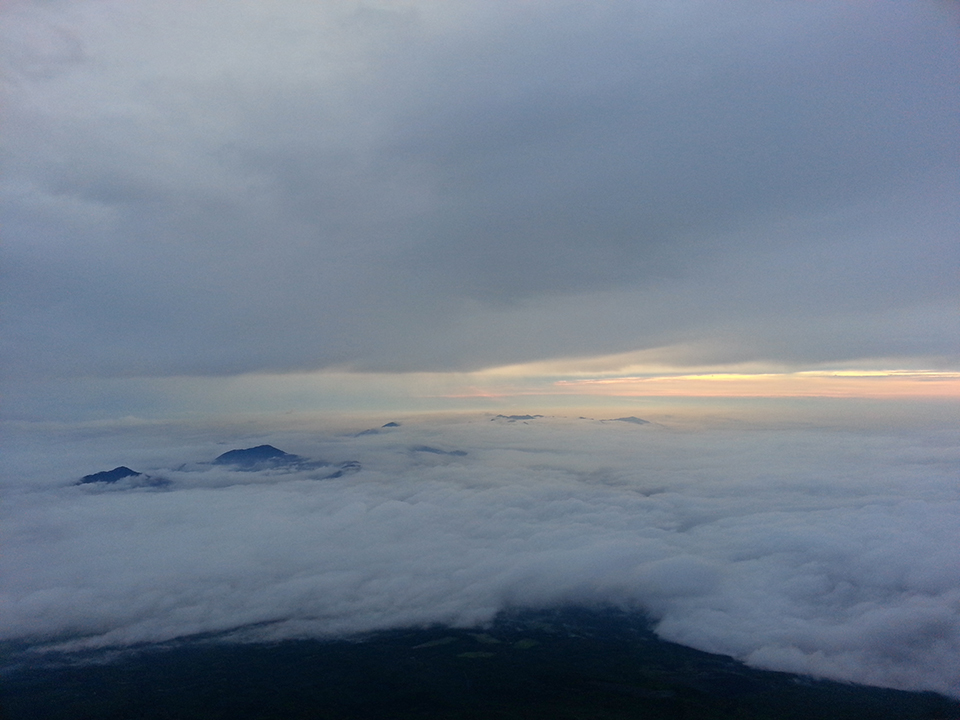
[261, 454]
[109, 476]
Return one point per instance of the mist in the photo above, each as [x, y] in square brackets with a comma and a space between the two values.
[824, 548]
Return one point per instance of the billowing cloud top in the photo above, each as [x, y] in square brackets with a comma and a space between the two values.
[824, 548]
[192, 188]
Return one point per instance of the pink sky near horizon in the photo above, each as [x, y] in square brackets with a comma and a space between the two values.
[826, 384]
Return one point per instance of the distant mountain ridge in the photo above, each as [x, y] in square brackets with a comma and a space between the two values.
[437, 451]
[253, 459]
[268, 457]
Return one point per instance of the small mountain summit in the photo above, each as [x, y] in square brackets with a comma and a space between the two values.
[346, 468]
[376, 431]
[267, 457]
[121, 478]
[631, 419]
[259, 457]
[437, 451]
[109, 476]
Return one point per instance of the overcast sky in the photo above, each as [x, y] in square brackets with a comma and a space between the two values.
[200, 188]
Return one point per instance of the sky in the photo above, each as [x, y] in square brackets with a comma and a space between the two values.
[286, 222]
[431, 195]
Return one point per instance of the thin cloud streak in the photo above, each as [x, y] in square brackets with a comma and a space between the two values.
[544, 385]
[837, 384]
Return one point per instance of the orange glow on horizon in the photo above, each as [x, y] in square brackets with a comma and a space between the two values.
[835, 384]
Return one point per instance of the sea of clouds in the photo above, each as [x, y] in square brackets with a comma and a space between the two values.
[828, 550]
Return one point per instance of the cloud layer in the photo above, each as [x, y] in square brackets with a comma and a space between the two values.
[425, 185]
[799, 547]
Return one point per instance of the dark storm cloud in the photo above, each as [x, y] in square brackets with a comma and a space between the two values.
[434, 186]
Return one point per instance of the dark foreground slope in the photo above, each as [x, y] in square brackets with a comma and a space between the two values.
[572, 663]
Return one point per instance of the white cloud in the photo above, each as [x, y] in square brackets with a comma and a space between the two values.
[813, 549]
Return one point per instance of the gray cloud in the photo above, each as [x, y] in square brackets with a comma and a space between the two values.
[426, 187]
[827, 549]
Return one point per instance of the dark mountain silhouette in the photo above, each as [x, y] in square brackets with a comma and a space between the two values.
[258, 457]
[631, 419]
[377, 431]
[437, 451]
[267, 457]
[563, 663]
[109, 476]
[347, 468]
[130, 478]
[261, 457]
